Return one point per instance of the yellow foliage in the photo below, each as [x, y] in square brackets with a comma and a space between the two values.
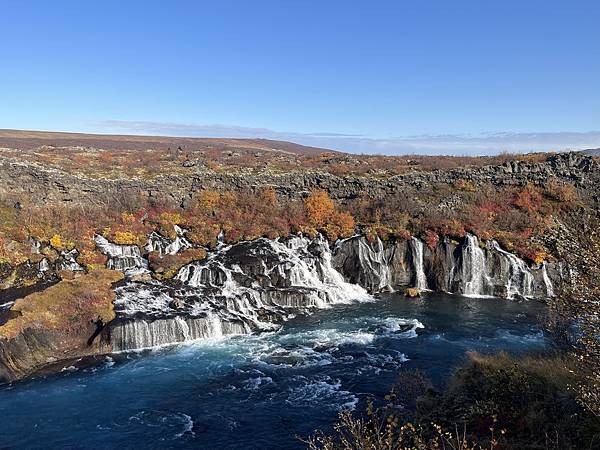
[209, 199]
[127, 217]
[170, 218]
[57, 242]
[539, 257]
[125, 238]
[319, 207]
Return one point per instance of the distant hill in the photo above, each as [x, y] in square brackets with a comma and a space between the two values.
[29, 140]
[135, 156]
[592, 151]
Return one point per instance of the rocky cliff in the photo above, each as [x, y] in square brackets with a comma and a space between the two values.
[45, 186]
[64, 321]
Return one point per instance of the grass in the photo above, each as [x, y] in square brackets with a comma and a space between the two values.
[530, 397]
[65, 305]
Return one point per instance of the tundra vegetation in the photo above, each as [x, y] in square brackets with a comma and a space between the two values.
[518, 217]
[546, 401]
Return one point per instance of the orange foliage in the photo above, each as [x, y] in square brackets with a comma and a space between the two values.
[319, 207]
[529, 199]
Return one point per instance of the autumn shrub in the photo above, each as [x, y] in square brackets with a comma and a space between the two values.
[319, 208]
[380, 429]
[529, 397]
[562, 192]
[529, 198]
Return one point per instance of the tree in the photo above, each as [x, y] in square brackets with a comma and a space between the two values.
[319, 207]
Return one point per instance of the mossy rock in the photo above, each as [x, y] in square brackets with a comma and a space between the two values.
[412, 292]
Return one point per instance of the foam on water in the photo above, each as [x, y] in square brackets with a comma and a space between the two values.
[237, 289]
[321, 390]
[261, 390]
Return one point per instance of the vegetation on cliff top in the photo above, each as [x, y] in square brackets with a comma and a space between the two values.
[515, 216]
[105, 156]
[66, 305]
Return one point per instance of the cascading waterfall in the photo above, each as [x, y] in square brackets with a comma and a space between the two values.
[520, 280]
[416, 247]
[254, 285]
[67, 261]
[141, 333]
[166, 246]
[547, 281]
[238, 289]
[475, 279]
[121, 257]
[375, 260]
[44, 265]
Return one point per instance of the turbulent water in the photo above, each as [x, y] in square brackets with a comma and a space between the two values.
[261, 390]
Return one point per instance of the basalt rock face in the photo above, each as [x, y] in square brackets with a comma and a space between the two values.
[254, 285]
[52, 187]
[63, 321]
[238, 289]
[468, 268]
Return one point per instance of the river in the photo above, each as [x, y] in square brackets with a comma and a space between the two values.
[261, 391]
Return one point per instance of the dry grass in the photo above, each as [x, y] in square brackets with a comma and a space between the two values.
[116, 156]
[65, 305]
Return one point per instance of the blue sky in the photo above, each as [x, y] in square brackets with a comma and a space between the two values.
[381, 76]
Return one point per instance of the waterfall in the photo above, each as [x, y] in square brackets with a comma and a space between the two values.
[519, 280]
[166, 246]
[67, 261]
[254, 285]
[121, 257]
[416, 246]
[475, 278]
[44, 265]
[143, 333]
[547, 281]
[376, 262]
[236, 289]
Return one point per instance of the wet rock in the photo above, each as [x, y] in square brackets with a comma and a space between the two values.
[412, 292]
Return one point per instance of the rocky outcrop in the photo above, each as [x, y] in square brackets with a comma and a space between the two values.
[237, 289]
[61, 322]
[467, 268]
[46, 186]
[253, 285]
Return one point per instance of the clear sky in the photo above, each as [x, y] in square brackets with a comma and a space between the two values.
[393, 76]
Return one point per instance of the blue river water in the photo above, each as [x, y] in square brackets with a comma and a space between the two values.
[261, 391]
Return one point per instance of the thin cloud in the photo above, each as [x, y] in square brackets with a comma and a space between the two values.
[449, 144]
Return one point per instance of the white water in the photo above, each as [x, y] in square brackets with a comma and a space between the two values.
[376, 262]
[520, 279]
[44, 265]
[166, 246]
[416, 246]
[141, 334]
[474, 269]
[547, 281]
[255, 285]
[67, 261]
[237, 289]
[121, 257]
